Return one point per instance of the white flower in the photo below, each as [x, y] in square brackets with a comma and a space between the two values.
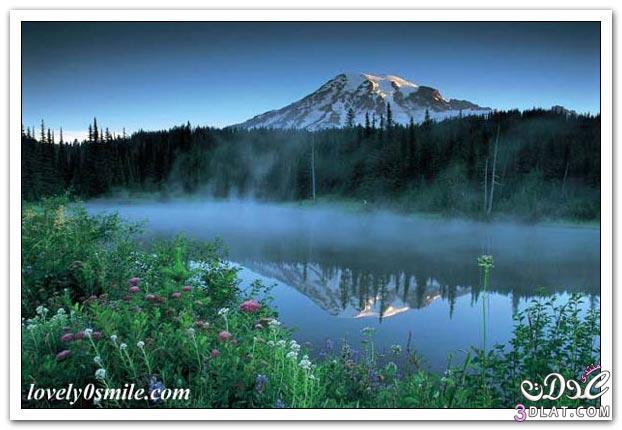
[140, 344]
[274, 324]
[88, 332]
[368, 331]
[270, 343]
[190, 332]
[281, 343]
[60, 311]
[305, 363]
[113, 338]
[123, 346]
[98, 360]
[42, 310]
[294, 346]
[100, 374]
[223, 312]
[292, 354]
[396, 349]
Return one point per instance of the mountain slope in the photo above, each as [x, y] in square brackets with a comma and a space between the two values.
[363, 94]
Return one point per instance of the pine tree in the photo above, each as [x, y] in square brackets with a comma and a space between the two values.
[95, 131]
[350, 118]
[389, 117]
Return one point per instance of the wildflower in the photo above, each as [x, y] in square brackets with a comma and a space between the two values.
[155, 390]
[260, 383]
[176, 295]
[63, 355]
[42, 310]
[486, 262]
[98, 360]
[294, 346]
[100, 374]
[150, 297]
[270, 343]
[140, 344]
[280, 404]
[305, 363]
[60, 311]
[187, 288]
[201, 324]
[215, 353]
[274, 324]
[67, 337]
[113, 338]
[97, 335]
[79, 335]
[88, 332]
[292, 354]
[250, 306]
[223, 312]
[224, 336]
[123, 346]
[368, 331]
[134, 282]
[396, 349]
[190, 332]
[134, 289]
[281, 343]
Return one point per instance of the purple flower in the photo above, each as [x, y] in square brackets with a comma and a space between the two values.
[176, 295]
[280, 404]
[260, 383]
[134, 282]
[155, 390]
[67, 337]
[250, 306]
[134, 289]
[63, 355]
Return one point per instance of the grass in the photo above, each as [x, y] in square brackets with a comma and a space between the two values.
[101, 308]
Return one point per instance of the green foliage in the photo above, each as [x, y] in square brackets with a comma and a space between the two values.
[548, 164]
[172, 315]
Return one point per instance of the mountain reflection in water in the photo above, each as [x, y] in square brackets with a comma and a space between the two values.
[337, 272]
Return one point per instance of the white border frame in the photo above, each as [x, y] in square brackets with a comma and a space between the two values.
[606, 226]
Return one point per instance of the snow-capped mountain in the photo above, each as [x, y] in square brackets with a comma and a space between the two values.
[362, 94]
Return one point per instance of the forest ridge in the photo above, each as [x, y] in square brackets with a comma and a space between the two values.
[534, 164]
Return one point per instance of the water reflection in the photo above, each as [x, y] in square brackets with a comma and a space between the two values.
[337, 272]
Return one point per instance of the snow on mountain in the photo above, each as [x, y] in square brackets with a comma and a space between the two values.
[364, 94]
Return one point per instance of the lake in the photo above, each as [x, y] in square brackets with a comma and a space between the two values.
[415, 280]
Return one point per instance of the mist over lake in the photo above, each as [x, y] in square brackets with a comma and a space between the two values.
[336, 271]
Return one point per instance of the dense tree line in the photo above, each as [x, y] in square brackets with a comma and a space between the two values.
[534, 164]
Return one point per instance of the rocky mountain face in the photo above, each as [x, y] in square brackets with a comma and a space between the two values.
[349, 97]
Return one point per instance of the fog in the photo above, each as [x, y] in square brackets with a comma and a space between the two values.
[526, 256]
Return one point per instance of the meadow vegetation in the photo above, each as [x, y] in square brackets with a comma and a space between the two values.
[101, 307]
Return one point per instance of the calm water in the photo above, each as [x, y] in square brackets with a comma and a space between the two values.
[335, 272]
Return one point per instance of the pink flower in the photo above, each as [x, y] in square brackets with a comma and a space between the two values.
[97, 335]
[79, 335]
[150, 298]
[187, 288]
[134, 289]
[176, 295]
[224, 336]
[67, 337]
[63, 354]
[215, 353]
[250, 306]
[134, 282]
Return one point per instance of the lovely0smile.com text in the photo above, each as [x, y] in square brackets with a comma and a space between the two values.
[92, 393]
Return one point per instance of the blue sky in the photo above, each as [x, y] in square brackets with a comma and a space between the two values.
[156, 75]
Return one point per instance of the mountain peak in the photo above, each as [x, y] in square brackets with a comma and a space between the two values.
[363, 94]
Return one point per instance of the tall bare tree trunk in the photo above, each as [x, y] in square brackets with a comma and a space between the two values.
[313, 167]
[564, 180]
[494, 172]
[486, 186]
